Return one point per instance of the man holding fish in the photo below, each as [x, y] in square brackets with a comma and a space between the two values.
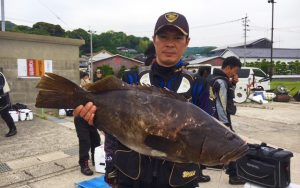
[162, 138]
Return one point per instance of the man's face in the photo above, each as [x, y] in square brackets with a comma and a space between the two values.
[99, 75]
[170, 45]
[231, 72]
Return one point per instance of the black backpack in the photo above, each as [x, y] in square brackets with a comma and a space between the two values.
[215, 88]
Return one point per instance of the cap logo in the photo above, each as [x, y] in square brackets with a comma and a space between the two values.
[171, 16]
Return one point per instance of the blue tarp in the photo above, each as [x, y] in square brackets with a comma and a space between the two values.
[97, 182]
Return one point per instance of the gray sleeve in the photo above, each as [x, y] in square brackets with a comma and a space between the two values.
[221, 101]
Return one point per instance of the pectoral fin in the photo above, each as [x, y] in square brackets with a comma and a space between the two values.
[159, 144]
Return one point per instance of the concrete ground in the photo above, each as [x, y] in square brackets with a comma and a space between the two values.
[44, 153]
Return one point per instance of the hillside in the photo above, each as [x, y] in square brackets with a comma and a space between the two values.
[109, 40]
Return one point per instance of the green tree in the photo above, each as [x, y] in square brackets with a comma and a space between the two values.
[80, 34]
[21, 29]
[53, 30]
[106, 70]
[143, 45]
[9, 26]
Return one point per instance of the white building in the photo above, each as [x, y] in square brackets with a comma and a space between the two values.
[257, 50]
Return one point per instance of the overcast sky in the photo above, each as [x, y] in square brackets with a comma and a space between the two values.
[138, 17]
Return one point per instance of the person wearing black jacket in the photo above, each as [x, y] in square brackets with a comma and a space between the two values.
[88, 138]
[223, 83]
[127, 168]
[5, 106]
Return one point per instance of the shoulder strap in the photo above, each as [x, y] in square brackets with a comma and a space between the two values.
[144, 75]
[186, 82]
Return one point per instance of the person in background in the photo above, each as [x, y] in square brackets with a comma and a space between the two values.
[222, 82]
[88, 137]
[85, 80]
[204, 71]
[99, 75]
[5, 105]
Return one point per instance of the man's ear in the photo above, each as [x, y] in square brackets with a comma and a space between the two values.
[187, 41]
[153, 39]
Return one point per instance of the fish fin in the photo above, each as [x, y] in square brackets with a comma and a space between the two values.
[107, 84]
[164, 91]
[58, 92]
[113, 83]
[159, 144]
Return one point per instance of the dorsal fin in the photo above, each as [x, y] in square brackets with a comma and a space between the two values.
[107, 84]
[166, 92]
[113, 83]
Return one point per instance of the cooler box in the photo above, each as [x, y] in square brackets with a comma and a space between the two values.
[25, 114]
[15, 115]
[97, 182]
[99, 158]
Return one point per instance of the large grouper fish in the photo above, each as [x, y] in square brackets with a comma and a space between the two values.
[147, 119]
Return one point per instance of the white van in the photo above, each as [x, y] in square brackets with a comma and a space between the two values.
[249, 77]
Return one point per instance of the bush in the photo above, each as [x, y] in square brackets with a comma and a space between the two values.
[106, 70]
[280, 68]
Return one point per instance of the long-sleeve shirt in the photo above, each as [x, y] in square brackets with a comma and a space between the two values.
[221, 101]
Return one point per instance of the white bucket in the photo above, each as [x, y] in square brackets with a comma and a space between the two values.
[26, 114]
[61, 112]
[14, 115]
[99, 158]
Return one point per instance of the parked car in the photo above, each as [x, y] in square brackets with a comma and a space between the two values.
[249, 78]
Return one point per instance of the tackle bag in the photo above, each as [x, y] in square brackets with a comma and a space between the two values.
[265, 166]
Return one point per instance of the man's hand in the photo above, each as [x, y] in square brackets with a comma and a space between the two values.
[87, 112]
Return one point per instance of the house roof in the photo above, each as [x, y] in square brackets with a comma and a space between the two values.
[102, 55]
[118, 55]
[202, 60]
[283, 53]
[241, 44]
[103, 52]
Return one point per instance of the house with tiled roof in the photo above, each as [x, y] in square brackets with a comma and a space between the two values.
[116, 62]
[257, 50]
[259, 54]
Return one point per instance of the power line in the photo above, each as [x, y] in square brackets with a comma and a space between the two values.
[216, 24]
[52, 12]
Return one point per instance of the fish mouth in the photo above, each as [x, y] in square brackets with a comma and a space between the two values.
[235, 154]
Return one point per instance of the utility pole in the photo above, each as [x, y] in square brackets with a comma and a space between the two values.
[272, 29]
[246, 25]
[91, 56]
[2, 16]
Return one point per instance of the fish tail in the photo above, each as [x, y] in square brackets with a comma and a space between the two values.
[59, 92]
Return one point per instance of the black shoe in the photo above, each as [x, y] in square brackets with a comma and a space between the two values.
[11, 133]
[85, 169]
[203, 178]
[235, 180]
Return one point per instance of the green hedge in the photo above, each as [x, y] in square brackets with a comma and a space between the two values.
[280, 68]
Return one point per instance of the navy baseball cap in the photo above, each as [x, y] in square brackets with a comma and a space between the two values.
[172, 19]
